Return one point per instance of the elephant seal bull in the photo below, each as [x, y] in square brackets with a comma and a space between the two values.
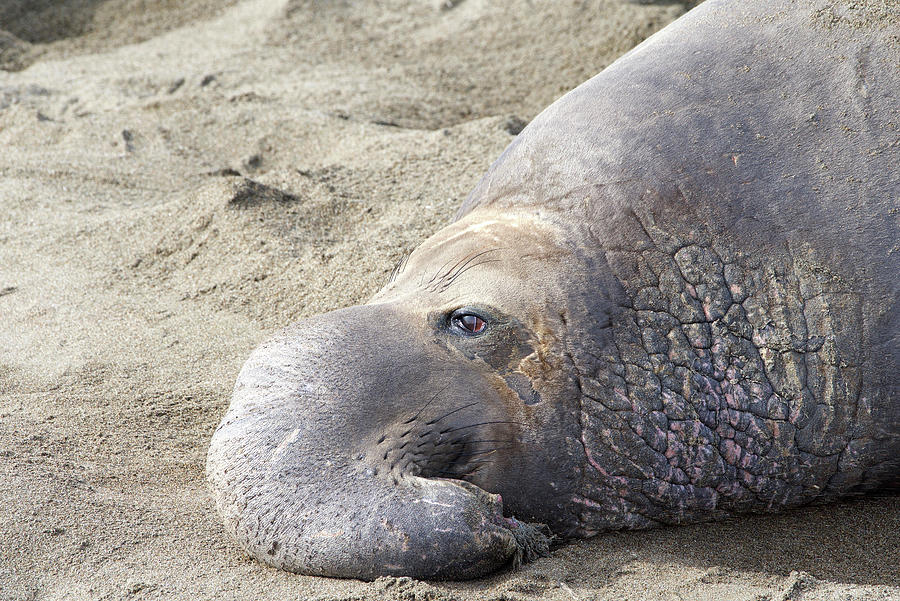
[673, 298]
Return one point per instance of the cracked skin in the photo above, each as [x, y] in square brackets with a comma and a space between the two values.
[673, 298]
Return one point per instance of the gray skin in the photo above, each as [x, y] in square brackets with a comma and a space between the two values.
[688, 272]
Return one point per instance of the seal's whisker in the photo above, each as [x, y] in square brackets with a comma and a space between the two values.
[434, 421]
[487, 441]
[470, 469]
[475, 467]
[457, 455]
[431, 400]
[449, 443]
[456, 475]
[479, 424]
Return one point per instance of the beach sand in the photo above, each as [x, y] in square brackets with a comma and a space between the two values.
[180, 178]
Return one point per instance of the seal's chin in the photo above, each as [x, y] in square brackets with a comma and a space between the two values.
[531, 540]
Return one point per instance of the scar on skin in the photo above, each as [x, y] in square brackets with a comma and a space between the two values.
[430, 502]
[284, 443]
[327, 534]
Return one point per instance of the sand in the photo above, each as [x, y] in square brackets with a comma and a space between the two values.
[180, 178]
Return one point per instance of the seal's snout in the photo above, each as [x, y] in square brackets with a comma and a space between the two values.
[310, 475]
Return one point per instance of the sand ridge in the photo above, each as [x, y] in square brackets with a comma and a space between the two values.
[179, 179]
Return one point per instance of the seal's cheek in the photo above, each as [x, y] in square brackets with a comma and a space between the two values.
[503, 352]
[521, 385]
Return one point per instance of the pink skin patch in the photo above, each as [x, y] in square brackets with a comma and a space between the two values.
[591, 460]
[674, 448]
[587, 502]
[732, 452]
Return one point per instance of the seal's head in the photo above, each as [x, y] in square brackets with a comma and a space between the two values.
[402, 436]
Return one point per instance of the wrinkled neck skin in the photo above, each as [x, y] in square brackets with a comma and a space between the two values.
[713, 374]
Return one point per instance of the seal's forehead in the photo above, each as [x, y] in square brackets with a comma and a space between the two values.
[488, 258]
[520, 232]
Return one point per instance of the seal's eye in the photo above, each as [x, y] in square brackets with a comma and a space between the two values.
[469, 323]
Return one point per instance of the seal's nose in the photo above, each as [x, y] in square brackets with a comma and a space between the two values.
[290, 473]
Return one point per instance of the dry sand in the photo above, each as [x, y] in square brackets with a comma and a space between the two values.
[179, 178]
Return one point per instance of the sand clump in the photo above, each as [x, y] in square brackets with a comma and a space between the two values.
[179, 179]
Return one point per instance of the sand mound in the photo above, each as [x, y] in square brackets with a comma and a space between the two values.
[180, 178]
[59, 28]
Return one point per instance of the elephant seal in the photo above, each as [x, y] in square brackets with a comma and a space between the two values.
[673, 298]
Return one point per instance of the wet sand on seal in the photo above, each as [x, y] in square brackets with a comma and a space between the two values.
[178, 179]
